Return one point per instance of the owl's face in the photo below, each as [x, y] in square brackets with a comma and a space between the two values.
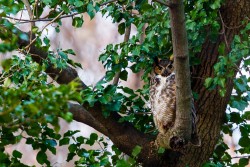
[163, 67]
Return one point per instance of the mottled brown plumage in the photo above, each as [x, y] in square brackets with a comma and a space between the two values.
[163, 98]
[162, 95]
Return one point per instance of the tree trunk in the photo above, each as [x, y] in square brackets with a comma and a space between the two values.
[210, 105]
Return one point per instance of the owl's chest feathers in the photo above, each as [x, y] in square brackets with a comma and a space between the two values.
[165, 95]
[163, 87]
[163, 101]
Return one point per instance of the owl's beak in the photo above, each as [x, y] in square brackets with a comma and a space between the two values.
[166, 72]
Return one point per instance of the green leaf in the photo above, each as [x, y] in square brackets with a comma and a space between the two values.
[51, 142]
[243, 162]
[91, 10]
[78, 3]
[70, 156]
[121, 28]
[244, 141]
[6, 64]
[46, 41]
[63, 55]
[103, 57]
[7, 82]
[136, 151]
[24, 36]
[222, 92]
[72, 148]
[77, 22]
[104, 161]
[124, 75]
[80, 139]
[105, 99]
[246, 115]
[215, 4]
[237, 39]
[68, 116]
[17, 154]
[41, 157]
[109, 75]
[90, 98]
[114, 106]
[70, 133]
[128, 90]
[47, 2]
[92, 139]
[64, 141]
[65, 8]
[70, 51]
[240, 104]
[222, 82]
[235, 117]
[161, 150]
[208, 82]
[122, 163]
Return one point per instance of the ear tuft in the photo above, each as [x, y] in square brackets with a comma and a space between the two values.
[157, 60]
[171, 57]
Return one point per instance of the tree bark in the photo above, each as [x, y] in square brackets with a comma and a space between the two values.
[210, 105]
[183, 122]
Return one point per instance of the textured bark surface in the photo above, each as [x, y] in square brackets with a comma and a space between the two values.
[210, 106]
[183, 122]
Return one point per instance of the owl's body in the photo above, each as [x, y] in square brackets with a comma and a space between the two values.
[163, 99]
[162, 95]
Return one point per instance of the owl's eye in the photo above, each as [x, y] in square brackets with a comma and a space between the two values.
[170, 66]
[158, 69]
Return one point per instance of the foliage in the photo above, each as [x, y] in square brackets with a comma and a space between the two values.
[31, 105]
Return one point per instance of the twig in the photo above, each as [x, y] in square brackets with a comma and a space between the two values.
[223, 32]
[50, 19]
[143, 113]
[44, 28]
[105, 3]
[126, 38]
[37, 20]
[32, 24]
[30, 13]
[242, 156]
[143, 35]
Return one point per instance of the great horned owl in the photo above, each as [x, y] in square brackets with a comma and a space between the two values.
[163, 98]
[162, 95]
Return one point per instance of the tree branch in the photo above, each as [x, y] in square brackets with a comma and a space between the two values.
[50, 19]
[181, 132]
[80, 114]
[61, 76]
[123, 135]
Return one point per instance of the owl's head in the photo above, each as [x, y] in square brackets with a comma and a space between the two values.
[163, 67]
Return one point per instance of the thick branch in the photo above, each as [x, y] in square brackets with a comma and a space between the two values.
[80, 114]
[183, 122]
[123, 135]
[61, 76]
